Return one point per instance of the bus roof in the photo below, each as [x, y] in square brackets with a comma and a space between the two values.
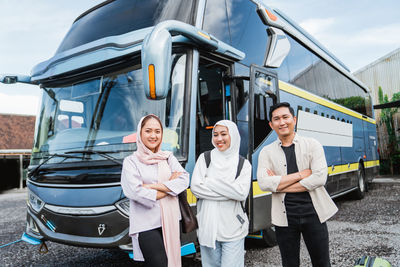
[292, 28]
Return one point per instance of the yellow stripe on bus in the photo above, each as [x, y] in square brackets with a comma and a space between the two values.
[190, 197]
[257, 190]
[309, 96]
[342, 168]
[372, 163]
[338, 169]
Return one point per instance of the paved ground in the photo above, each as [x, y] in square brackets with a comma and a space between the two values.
[361, 227]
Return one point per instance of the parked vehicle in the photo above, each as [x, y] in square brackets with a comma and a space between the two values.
[191, 63]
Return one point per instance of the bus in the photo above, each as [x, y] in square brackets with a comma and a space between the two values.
[192, 63]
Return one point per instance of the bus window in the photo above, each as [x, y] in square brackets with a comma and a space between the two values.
[315, 112]
[265, 94]
[240, 26]
[300, 66]
[307, 109]
[209, 101]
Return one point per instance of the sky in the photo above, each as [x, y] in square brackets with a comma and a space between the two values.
[358, 32]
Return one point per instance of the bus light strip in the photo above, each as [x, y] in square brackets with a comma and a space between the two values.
[319, 100]
[152, 81]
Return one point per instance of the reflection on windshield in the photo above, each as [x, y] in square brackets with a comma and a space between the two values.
[102, 114]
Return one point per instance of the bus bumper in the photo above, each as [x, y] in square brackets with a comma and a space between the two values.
[100, 231]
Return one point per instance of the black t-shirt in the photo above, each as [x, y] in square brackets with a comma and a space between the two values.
[297, 204]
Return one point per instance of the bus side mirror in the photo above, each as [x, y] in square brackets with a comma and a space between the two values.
[156, 63]
[11, 79]
[278, 48]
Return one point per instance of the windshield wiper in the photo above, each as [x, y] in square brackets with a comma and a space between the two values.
[103, 154]
[37, 168]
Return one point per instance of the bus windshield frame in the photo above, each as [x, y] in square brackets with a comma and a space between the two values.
[101, 114]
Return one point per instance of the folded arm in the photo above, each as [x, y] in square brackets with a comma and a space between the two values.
[318, 167]
[291, 182]
[265, 181]
[177, 182]
[198, 184]
[133, 188]
[237, 190]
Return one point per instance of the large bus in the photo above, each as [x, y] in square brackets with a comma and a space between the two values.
[192, 63]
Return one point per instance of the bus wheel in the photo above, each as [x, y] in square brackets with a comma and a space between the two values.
[361, 184]
[269, 237]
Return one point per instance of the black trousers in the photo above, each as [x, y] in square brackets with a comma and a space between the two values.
[315, 235]
[152, 246]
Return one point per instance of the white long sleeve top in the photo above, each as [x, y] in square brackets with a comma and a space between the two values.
[218, 205]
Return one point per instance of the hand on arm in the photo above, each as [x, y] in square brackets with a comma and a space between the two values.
[161, 195]
[294, 188]
[162, 190]
[291, 180]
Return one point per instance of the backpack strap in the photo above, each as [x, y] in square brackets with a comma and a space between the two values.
[240, 166]
[207, 157]
[239, 169]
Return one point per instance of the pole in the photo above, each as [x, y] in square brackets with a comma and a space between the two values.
[21, 171]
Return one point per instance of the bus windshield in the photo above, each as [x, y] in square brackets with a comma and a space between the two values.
[121, 16]
[102, 113]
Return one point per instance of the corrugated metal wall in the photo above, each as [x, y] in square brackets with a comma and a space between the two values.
[384, 72]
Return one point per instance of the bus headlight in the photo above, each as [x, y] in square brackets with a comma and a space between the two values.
[123, 206]
[34, 201]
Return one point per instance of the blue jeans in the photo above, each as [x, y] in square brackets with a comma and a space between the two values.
[315, 235]
[225, 254]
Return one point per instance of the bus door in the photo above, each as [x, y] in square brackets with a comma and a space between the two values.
[213, 101]
[263, 93]
[370, 147]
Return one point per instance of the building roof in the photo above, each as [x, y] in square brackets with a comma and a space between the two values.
[379, 60]
[16, 131]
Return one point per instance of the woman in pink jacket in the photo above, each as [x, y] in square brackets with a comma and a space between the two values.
[152, 179]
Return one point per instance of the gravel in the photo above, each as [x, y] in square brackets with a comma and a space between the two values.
[361, 227]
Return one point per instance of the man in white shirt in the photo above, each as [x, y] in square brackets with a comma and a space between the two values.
[294, 169]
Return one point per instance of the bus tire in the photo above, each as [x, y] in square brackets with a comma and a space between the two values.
[269, 237]
[361, 183]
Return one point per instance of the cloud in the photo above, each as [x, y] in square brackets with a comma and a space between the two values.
[380, 35]
[318, 25]
[357, 47]
[19, 104]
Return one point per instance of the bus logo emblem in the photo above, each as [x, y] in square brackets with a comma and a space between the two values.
[101, 228]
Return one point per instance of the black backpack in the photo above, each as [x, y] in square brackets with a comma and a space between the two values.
[207, 157]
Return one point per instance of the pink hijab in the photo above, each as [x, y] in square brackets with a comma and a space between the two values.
[169, 205]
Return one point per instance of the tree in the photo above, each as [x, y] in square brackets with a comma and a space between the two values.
[387, 119]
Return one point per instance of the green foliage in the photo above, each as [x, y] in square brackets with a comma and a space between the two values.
[380, 95]
[353, 102]
[387, 118]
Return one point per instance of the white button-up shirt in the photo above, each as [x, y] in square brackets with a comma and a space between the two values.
[309, 155]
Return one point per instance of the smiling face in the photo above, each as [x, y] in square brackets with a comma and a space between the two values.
[221, 138]
[283, 122]
[151, 134]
